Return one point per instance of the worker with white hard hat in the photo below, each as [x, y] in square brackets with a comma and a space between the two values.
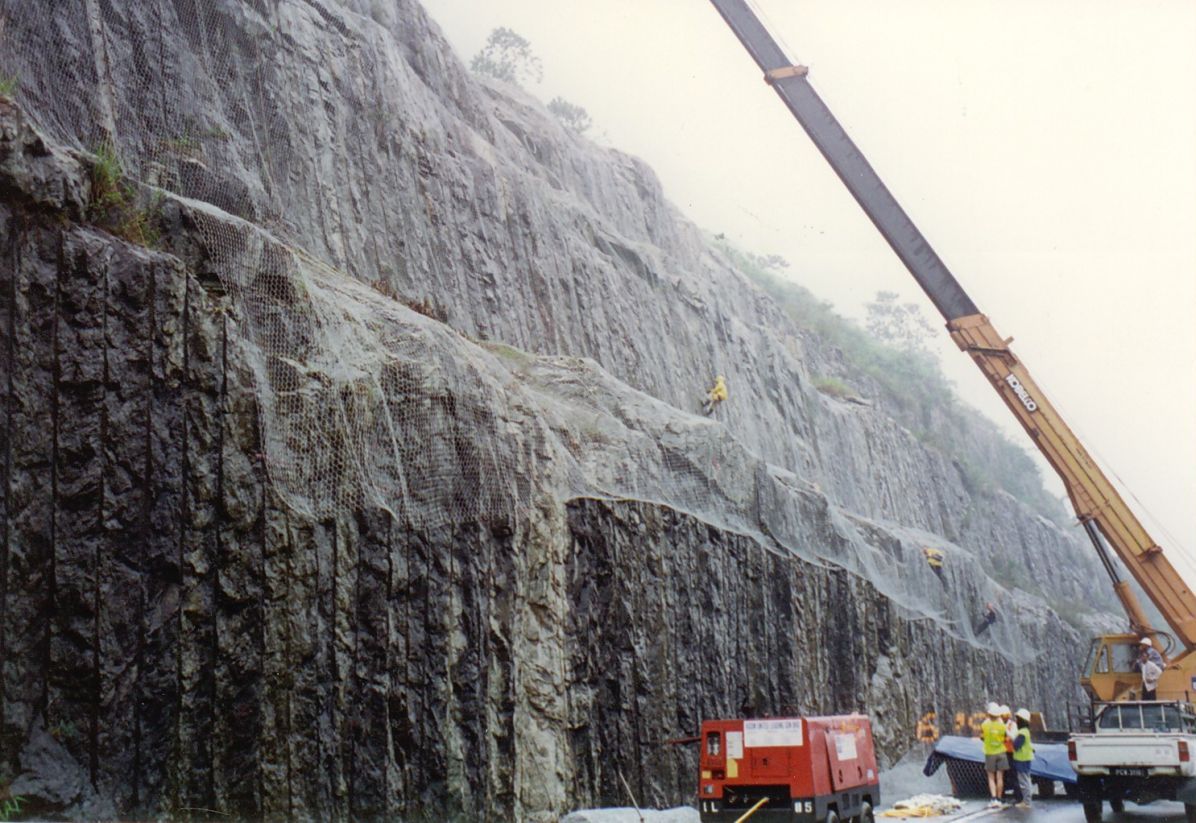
[1010, 731]
[1151, 652]
[996, 762]
[1150, 664]
[1023, 755]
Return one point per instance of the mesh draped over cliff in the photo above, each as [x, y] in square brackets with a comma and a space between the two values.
[357, 148]
[314, 159]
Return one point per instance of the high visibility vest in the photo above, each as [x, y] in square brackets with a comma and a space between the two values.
[992, 733]
[1026, 752]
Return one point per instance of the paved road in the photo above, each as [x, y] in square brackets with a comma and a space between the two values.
[1065, 811]
[974, 811]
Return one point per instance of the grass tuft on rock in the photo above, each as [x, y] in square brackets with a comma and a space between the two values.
[116, 204]
[833, 386]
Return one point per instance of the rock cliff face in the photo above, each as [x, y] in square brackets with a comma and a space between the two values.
[710, 617]
[554, 551]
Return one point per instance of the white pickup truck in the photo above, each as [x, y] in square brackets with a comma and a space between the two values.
[1140, 751]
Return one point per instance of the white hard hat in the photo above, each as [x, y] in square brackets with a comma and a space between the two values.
[1146, 641]
[1005, 710]
[994, 709]
[1024, 714]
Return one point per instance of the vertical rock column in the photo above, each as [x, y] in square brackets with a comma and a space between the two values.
[672, 621]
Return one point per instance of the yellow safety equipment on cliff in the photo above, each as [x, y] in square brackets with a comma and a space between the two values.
[716, 395]
[719, 392]
[934, 559]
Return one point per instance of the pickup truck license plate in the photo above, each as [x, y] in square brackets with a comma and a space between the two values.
[1126, 772]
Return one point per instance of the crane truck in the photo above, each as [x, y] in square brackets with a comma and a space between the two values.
[1161, 764]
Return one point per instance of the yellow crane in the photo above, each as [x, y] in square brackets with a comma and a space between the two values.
[1108, 521]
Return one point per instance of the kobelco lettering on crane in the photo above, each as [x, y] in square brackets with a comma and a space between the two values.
[1021, 393]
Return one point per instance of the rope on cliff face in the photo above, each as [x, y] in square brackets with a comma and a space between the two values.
[368, 400]
[631, 795]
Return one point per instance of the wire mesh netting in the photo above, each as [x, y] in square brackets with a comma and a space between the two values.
[365, 402]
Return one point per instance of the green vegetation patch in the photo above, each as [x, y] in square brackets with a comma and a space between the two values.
[516, 356]
[833, 386]
[11, 807]
[914, 388]
[117, 205]
[184, 145]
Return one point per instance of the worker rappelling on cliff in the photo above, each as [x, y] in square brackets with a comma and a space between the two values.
[934, 559]
[716, 395]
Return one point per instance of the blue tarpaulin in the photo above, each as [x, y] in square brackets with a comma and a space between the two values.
[1050, 759]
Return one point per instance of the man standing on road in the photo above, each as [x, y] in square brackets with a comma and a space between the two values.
[992, 735]
[1023, 754]
[1010, 732]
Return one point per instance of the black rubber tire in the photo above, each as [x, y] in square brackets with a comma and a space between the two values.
[1117, 805]
[1190, 811]
[866, 815]
[832, 816]
[1046, 788]
[1092, 811]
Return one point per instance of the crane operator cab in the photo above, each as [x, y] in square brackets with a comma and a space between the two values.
[1112, 671]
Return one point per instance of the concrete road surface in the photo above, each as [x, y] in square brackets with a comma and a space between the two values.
[1059, 811]
[905, 779]
[973, 811]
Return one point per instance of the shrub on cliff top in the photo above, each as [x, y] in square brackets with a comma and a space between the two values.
[574, 117]
[508, 57]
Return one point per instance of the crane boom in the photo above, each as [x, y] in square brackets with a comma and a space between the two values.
[849, 163]
[1097, 503]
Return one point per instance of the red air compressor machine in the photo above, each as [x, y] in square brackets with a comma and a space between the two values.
[803, 769]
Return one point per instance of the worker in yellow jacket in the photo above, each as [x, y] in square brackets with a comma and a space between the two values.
[934, 559]
[1023, 755]
[996, 763]
[716, 395]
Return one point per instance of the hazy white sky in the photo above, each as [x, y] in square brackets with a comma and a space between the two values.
[1046, 150]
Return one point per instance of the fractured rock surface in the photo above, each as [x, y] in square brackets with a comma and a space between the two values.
[176, 633]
